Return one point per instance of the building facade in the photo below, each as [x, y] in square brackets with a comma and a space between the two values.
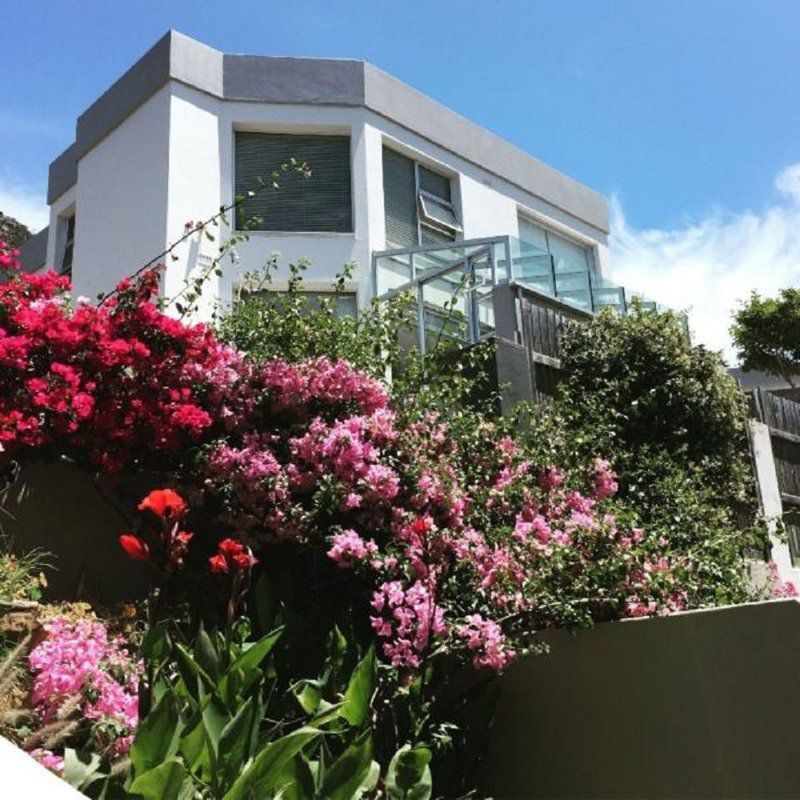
[188, 128]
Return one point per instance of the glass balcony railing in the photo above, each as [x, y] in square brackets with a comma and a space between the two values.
[453, 283]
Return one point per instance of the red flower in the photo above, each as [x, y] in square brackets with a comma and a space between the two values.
[421, 525]
[134, 547]
[218, 564]
[164, 503]
[232, 556]
[178, 546]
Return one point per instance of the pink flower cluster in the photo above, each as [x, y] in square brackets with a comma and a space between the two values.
[780, 589]
[48, 759]
[484, 638]
[605, 480]
[348, 549]
[298, 431]
[409, 619]
[77, 659]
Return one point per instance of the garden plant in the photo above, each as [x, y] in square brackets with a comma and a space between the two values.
[339, 567]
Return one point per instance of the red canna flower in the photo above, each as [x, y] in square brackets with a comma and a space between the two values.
[134, 547]
[165, 504]
[232, 556]
[218, 564]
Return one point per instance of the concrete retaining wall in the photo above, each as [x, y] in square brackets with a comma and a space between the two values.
[59, 508]
[698, 705]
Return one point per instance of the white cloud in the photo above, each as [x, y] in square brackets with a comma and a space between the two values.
[24, 205]
[709, 265]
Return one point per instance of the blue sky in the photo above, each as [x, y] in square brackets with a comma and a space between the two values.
[685, 113]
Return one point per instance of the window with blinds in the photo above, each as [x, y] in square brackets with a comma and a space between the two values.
[418, 205]
[319, 203]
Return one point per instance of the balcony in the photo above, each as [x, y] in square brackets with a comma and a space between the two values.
[455, 287]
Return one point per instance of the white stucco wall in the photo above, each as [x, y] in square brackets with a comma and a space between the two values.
[172, 161]
[121, 199]
[201, 146]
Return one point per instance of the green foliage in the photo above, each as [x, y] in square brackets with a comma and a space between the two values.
[766, 333]
[290, 324]
[645, 397]
[224, 725]
[673, 423]
[22, 576]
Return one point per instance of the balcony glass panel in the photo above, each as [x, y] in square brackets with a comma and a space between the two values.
[454, 281]
[392, 272]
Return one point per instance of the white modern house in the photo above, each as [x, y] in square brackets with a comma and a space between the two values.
[188, 128]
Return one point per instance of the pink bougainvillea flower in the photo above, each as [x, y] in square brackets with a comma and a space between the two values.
[165, 504]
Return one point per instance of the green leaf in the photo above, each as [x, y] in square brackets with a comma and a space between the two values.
[296, 781]
[409, 776]
[257, 652]
[355, 706]
[157, 737]
[194, 748]
[261, 777]
[215, 718]
[349, 776]
[308, 694]
[167, 781]
[156, 645]
[191, 672]
[205, 654]
[80, 769]
[234, 741]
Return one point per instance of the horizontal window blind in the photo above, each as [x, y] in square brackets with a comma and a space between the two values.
[322, 202]
[399, 199]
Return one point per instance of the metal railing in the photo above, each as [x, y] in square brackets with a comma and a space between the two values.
[452, 284]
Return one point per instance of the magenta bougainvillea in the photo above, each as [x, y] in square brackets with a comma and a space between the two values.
[111, 385]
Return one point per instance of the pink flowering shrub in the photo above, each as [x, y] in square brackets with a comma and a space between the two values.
[458, 538]
[460, 551]
[780, 588]
[114, 386]
[78, 661]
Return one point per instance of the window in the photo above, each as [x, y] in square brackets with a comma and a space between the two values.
[343, 304]
[568, 256]
[418, 203]
[69, 245]
[320, 203]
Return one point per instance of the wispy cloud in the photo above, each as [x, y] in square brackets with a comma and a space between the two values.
[707, 266]
[23, 204]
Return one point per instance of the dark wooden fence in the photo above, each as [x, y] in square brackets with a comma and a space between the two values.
[780, 413]
[543, 320]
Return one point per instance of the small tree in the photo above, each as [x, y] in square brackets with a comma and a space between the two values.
[673, 423]
[766, 332]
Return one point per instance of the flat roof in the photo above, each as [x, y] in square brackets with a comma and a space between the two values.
[318, 81]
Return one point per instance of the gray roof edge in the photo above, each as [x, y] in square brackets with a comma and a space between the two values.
[401, 103]
[63, 173]
[281, 79]
[126, 94]
[342, 82]
[33, 252]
